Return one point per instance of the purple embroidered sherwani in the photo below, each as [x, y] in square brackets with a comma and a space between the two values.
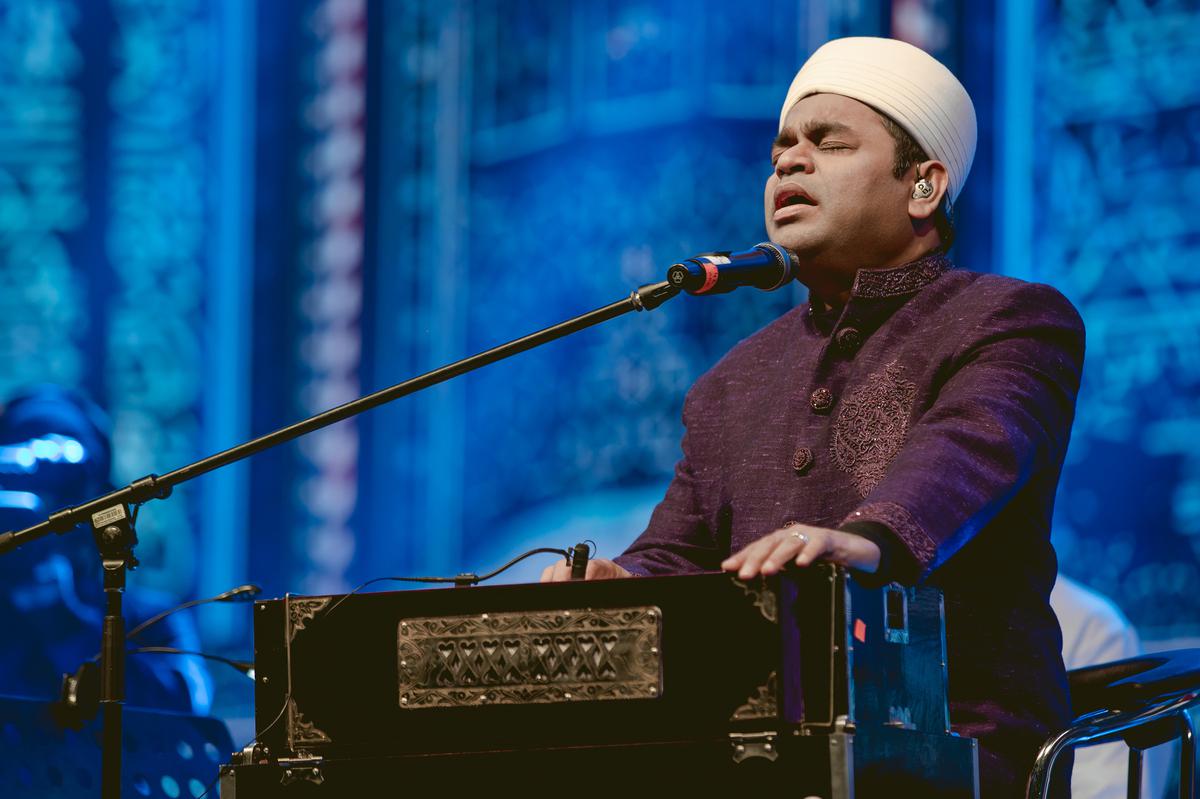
[932, 414]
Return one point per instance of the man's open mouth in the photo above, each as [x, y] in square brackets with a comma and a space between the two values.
[792, 195]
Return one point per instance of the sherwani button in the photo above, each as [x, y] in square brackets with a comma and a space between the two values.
[821, 400]
[802, 460]
[849, 340]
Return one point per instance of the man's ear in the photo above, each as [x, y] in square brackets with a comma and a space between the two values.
[929, 186]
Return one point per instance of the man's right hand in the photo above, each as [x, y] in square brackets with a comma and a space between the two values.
[597, 569]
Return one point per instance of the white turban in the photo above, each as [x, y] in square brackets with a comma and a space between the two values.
[902, 82]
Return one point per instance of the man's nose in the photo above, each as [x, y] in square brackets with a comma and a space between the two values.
[794, 160]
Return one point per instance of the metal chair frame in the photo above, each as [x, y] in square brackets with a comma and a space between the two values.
[1141, 728]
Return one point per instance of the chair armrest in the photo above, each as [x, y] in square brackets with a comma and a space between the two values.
[1134, 682]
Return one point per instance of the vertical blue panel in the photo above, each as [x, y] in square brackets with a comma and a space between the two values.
[223, 530]
[282, 52]
[418, 280]
[158, 228]
[1014, 148]
[308, 244]
[328, 307]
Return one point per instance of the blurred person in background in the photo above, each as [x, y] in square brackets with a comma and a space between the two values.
[1096, 631]
[55, 451]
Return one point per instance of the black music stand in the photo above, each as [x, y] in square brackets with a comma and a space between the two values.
[165, 753]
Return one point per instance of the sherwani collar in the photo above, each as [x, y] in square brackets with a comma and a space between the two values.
[900, 280]
[877, 293]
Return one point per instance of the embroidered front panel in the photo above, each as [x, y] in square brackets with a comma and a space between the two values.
[872, 426]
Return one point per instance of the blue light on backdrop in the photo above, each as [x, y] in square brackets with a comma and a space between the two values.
[220, 217]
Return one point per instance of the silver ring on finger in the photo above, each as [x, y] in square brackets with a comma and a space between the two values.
[801, 537]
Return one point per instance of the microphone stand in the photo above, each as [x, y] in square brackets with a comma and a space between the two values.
[112, 516]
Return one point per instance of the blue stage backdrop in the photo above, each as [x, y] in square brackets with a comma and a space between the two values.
[1105, 131]
[218, 217]
[518, 184]
[118, 236]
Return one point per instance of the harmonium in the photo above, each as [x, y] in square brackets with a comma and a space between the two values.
[806, 681]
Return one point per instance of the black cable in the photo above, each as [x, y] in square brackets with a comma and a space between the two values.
[258, 736]
[467, 579]
[156, 618]
[244, 666]
[240, 594]
[543, 550]
[212, 784]
[254, 740]
[71, 683]
[459, 580]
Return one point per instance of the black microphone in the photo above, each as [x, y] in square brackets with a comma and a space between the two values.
[767, 266]
[579, 562]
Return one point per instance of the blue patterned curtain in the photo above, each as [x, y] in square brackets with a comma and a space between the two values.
[1105, 138]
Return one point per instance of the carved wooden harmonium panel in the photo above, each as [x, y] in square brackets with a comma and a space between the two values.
[520, 666]
[610, 662]
[531, 657]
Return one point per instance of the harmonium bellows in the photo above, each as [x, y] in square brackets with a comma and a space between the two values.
[744, 670]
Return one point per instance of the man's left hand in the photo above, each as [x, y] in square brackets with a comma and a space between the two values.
[803, 545]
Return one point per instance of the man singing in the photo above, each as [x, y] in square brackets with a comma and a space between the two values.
[910, 420]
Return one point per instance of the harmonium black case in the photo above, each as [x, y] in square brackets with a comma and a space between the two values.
[701, 675]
